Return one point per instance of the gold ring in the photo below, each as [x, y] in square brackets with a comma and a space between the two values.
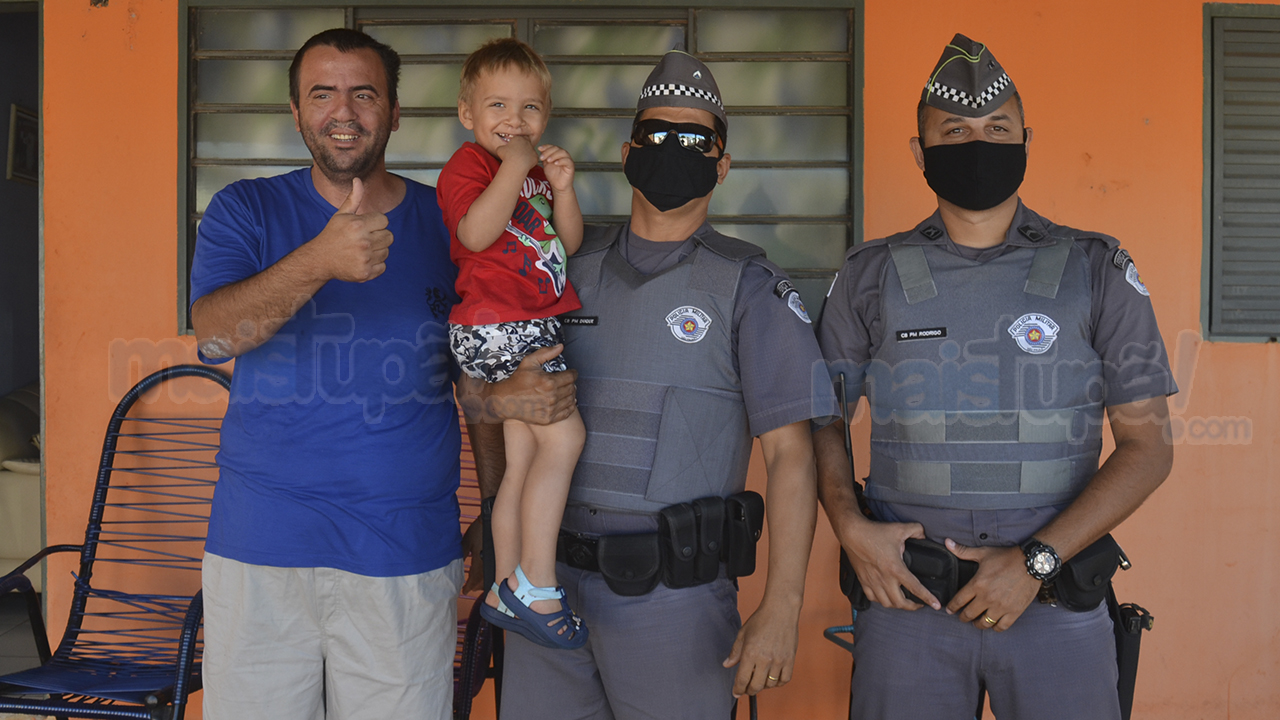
[772, 678]
[987, 619]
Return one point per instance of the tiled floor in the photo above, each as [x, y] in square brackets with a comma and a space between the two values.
[17, 649]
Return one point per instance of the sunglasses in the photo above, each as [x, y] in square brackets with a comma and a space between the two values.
[690, 136]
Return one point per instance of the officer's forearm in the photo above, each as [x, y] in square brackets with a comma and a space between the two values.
[491, 460]
[791, 509]
[835, 476]
[1141, 461]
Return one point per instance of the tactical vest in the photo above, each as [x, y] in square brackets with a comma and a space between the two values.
[658, 386]
[985, 391]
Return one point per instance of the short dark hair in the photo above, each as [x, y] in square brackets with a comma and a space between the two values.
[920, 112]
[501, 54]
[346, 40]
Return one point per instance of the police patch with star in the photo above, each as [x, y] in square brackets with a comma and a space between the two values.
[688, 324]
[1034, 332]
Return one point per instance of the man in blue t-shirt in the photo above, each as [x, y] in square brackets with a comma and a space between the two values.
[333, 559]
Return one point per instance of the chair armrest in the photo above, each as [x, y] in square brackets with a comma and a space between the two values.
[186, 653]
[35, 559]
[17, 582]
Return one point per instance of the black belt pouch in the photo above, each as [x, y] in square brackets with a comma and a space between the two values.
[678, 543]
[936, 568]
[709, 512]
[744, 522]
[1083, 582]
[630, 564]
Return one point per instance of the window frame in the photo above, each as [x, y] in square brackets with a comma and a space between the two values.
[599, 8]
[1212, 119]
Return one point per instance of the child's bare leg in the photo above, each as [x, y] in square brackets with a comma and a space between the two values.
[520, 447]
[546, 488]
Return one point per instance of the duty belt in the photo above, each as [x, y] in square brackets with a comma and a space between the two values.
[692, 542]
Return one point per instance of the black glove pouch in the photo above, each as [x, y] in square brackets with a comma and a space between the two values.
[678, 541]
[630, 564]
[709, 512]
[1083, 582]
[744, 522]
[941, 573]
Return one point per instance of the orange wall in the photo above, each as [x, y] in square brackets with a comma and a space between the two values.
[1114, 92]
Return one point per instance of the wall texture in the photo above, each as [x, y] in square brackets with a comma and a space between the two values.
[1114, 92]
[19, 212]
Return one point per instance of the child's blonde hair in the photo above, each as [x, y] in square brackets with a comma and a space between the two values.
[500, 54]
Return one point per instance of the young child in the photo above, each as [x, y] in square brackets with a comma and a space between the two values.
[497, 203]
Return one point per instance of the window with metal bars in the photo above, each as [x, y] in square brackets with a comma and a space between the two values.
[1242, 184]
[788, 78]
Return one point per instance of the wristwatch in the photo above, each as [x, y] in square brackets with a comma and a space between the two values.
[1043, 562]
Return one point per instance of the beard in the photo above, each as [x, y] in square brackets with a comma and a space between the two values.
[341, 167]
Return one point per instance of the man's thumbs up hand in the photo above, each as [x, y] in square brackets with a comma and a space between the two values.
[351, 206]
[353, 247]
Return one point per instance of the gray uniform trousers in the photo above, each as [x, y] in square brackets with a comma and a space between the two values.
[651, 657]
[1053, 664]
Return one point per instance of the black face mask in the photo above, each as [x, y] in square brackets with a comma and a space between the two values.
[975, 175]
[669, 176]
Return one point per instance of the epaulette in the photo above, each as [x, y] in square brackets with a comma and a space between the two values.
[1081, 235]
[730, 248]
[598, 237]
[878, 242]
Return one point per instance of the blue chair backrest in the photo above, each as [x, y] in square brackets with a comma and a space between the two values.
[145, 539]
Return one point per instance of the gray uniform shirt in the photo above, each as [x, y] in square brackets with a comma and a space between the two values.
[1124, 333]
[775, 342]
[775, 359]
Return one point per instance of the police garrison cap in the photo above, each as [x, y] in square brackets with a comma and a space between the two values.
[967, 80]
[681, 80]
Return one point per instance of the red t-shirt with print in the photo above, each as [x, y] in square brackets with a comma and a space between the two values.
[523, 274]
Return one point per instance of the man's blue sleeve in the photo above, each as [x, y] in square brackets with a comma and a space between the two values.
[228, 248]
[228, 245]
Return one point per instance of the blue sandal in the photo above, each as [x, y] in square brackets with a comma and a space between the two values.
[500, 616]
[562, 629]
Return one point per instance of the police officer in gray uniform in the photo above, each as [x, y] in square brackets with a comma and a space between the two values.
[688, 344]
[989, 342]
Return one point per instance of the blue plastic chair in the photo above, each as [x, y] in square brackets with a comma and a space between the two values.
[131, 654]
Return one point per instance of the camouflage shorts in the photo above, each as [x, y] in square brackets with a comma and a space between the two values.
[493, 352]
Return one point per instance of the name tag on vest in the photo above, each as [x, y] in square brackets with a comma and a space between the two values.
[579, 320]
[922, 334]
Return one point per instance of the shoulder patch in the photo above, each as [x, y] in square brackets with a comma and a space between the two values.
[1134, 279]
[1121, 258]
[787, 292]
[797, 306]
